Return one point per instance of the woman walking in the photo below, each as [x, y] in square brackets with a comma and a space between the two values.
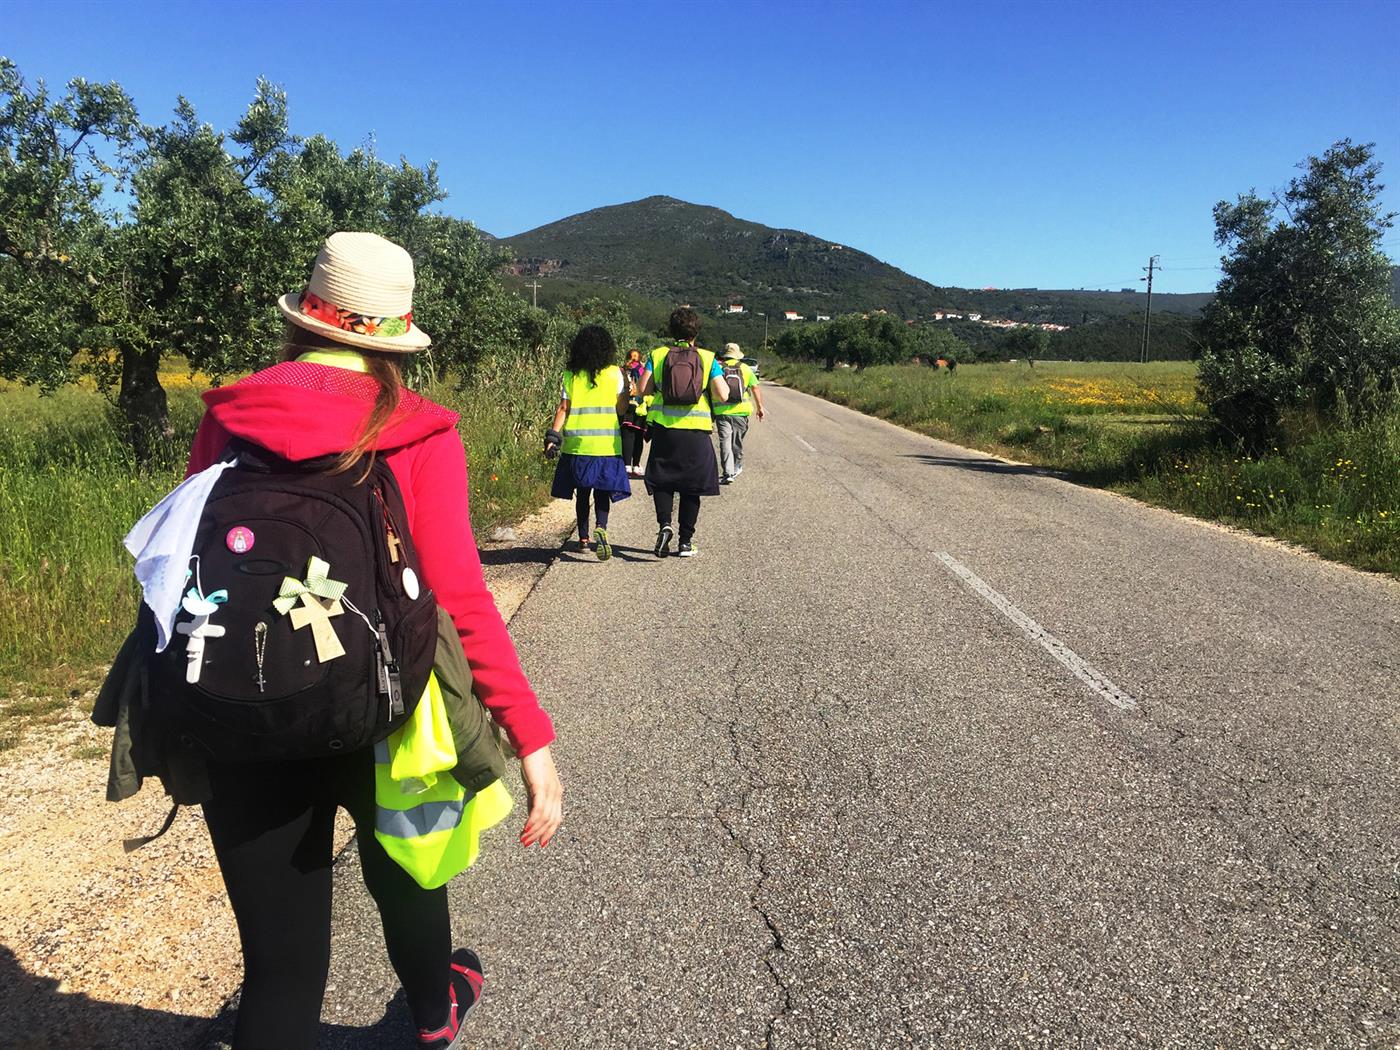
[686, 381]
[339, 397]
[587, 432]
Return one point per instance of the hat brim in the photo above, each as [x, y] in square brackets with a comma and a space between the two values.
[414, 339]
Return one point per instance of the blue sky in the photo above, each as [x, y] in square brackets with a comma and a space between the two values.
[1008, 144]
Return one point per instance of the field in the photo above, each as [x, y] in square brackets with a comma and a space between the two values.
[1139, 429]
[69, 490]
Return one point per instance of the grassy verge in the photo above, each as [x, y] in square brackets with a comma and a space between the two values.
[69, 491]
[1139, 430]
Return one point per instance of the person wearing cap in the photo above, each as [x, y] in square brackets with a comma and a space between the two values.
[339, 393]
[732, 414]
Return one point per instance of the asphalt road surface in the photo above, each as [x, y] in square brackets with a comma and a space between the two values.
[926, 749]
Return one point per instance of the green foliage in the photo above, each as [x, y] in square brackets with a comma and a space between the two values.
[218, 226]
[1303, 314]
[862, 340]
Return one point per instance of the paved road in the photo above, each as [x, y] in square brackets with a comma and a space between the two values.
[927, 749]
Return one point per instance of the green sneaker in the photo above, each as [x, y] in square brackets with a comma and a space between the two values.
[601, 546]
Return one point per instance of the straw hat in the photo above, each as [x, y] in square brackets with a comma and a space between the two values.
[732, 353]
[361, 294]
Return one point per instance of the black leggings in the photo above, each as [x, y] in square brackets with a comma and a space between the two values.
[272, 826]
[632, 443]
[690, 511]
[603, 501]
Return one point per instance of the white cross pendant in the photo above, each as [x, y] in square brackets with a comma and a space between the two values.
[198, 630]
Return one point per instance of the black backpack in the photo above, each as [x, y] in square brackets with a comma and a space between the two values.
[291, 565]
[734, 377]
[681, 380]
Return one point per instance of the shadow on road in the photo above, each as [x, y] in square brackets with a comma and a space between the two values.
[620, 552]
[37, 1015]
[394, 1029]
[986, 466]
[519, 555]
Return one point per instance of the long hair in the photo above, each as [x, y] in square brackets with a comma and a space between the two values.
[383, 368]
[592, 351]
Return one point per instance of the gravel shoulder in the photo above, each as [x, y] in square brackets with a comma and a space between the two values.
[100, 948]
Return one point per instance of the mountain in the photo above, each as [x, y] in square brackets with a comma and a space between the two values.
[672, 251]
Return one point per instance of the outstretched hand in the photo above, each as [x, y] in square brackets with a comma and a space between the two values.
[546, 798]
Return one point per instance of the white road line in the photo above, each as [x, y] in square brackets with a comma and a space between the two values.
[1072, 662]
[803, 442]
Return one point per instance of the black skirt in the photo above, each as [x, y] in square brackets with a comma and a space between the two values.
[682, 461]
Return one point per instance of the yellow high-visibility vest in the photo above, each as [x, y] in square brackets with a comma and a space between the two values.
[592, 428]
[424, 818]
[681, 417]
[745, 406]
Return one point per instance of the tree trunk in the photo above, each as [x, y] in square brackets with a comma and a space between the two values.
[143, 403]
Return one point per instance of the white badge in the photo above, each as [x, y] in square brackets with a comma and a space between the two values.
[410, 584]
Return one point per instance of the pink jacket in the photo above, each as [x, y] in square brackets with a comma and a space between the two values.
[299, 411]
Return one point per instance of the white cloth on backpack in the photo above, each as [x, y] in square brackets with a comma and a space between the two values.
[161, 543]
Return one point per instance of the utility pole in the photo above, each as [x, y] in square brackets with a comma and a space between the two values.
[765, 330]
[1147, 318]
[534, 287]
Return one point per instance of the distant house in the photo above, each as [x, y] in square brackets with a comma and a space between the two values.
[734, 308]
[821, 317]
[792, 315]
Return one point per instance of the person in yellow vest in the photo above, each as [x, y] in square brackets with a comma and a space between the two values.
[686, 381]
[742, 400]
[588, 436]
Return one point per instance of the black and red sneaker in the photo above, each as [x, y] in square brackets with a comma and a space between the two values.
[463, 993]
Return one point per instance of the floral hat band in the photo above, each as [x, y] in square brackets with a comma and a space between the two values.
[312, 305]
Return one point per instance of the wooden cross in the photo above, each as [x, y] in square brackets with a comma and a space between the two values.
[394, 545]
[198, 630]
[317, 613]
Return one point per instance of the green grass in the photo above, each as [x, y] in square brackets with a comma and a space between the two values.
[70, 490]
[1138, 429]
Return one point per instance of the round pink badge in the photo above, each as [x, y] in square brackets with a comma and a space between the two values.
[239, 539]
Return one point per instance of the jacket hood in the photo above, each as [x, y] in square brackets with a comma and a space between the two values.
[299, 411]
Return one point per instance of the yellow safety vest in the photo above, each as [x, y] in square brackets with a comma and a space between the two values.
[592, 428]
[744, 407]
[681, 417]
[424, 818]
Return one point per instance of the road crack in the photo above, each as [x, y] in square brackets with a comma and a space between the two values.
[728, 814]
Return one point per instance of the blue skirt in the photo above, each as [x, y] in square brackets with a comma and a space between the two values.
[600, 473]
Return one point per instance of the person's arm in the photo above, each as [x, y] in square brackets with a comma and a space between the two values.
[647, 385]
[560, 414]
[624, 397]
[447, 555]
[719, 389]
[757, 397]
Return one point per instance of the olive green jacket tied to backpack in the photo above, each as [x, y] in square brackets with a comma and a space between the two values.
[140, 749]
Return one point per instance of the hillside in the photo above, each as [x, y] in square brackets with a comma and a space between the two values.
[672, 251]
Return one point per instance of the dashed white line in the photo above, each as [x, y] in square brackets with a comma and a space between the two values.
[803, 442]
[1071, 660]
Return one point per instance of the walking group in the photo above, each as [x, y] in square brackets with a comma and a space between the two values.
[674, 400]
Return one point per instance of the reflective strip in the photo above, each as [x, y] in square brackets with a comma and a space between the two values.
[681, 413]
[570, 432]
[381, 752]
[591, 410]
[420, 820]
